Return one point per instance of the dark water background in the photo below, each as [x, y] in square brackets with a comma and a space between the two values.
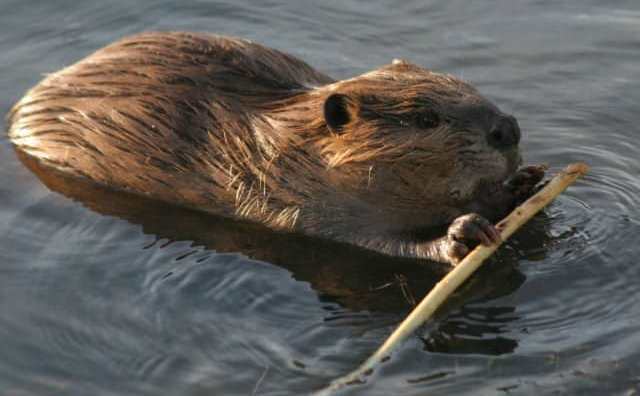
[110, 295]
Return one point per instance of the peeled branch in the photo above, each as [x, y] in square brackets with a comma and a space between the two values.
[463, 270]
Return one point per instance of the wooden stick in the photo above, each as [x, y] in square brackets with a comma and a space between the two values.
[462, 271]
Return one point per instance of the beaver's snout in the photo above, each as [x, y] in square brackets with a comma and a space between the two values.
[505, 134]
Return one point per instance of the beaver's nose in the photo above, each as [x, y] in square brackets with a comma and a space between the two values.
[504, 134]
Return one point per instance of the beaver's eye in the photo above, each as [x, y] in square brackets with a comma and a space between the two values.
[427, 119]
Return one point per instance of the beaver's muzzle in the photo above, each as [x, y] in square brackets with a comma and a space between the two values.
[505, 134]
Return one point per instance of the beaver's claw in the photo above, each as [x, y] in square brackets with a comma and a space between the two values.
[523, 182]
[465, 232]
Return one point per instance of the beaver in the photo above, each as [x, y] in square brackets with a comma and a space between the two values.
[401, 160]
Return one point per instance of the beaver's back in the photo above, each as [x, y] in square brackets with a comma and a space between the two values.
[138, 114]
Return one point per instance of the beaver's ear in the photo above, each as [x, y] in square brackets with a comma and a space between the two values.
[338, 111]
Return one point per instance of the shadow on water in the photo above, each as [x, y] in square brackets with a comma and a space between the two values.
[357, 279]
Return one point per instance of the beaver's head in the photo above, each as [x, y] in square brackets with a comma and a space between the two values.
[405, 137]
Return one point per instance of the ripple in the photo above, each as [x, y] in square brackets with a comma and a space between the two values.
[582, 282]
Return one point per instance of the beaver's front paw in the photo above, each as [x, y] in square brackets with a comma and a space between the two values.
[465, 233]
[523, 182]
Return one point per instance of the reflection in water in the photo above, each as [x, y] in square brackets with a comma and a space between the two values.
[356, 279]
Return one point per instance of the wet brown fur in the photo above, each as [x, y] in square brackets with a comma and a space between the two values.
[237, 129]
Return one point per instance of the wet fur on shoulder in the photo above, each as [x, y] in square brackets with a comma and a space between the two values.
[238, 129]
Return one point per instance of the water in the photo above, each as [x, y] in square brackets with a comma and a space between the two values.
[110, 295]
